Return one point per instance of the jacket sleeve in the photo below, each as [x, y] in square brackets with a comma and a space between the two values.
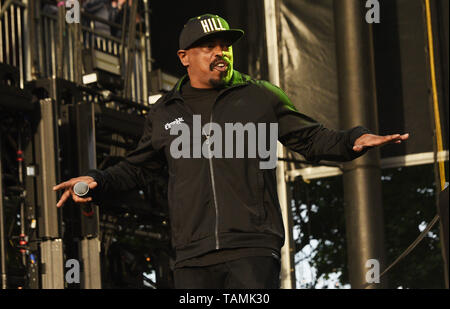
[306, 136]
[133, 171]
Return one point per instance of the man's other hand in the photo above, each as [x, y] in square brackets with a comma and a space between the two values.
[371, 140]
[68, 187]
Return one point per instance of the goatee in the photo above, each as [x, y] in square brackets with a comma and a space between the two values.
[217, 83]
[220, 82]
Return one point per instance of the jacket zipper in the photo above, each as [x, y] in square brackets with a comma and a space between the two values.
[211, 170]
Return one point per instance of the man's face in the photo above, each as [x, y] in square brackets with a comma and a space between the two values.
[209, 63]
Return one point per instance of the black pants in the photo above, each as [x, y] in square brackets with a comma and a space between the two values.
[260, 272]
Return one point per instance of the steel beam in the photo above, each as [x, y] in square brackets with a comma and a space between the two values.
[90, 232]
[362, 177]
[48, 215]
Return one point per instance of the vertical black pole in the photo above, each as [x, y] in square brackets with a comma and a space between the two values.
[443, 215]
[78, 49]
[2, 225]
[362, 177]
[60, 42]
[90, 233]
[131, 46]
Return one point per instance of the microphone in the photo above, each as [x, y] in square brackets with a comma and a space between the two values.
[81, 189]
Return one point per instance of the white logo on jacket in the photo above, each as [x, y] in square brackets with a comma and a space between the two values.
[237, 140]
[176, 121]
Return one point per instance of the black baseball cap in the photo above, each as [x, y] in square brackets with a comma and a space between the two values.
[207, 25]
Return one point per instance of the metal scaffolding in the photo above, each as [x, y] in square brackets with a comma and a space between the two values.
[47, 67]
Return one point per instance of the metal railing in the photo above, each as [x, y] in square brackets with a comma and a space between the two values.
[12, 35]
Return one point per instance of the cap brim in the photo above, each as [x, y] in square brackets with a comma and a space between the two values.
[231, 36]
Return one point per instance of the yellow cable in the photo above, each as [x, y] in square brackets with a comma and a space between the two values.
[437, 119]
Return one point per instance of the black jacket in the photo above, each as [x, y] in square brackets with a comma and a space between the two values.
[225, 203]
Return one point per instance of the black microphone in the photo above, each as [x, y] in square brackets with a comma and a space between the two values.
[81, 189]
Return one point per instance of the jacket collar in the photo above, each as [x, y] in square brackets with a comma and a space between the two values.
[238, 79]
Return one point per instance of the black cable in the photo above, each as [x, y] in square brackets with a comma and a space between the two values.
[409, 249]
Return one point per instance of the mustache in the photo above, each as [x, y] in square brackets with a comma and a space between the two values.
[217, 61]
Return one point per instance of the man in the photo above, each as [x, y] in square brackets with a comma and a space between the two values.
[101, 9]
[226, 222]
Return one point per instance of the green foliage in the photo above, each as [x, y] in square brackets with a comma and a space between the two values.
[408, 202]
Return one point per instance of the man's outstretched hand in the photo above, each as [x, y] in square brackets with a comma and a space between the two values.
[371, 140]
[68, 186]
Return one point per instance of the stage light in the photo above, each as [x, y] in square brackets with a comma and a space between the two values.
[90, 78]
[31, 170]
[153, 98]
